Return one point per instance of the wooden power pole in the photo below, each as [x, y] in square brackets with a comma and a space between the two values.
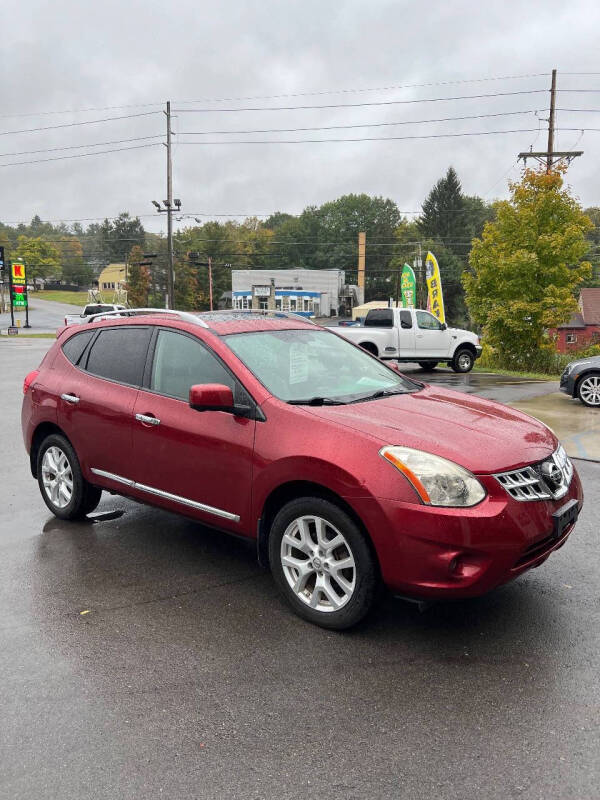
[551, 154]
[362, 249]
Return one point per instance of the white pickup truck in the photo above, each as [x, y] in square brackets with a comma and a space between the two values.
[407, 334]
[91, 308]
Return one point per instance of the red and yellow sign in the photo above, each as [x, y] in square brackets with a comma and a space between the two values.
[18, 273]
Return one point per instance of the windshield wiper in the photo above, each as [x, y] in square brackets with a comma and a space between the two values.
[380, 393]
[317, 401]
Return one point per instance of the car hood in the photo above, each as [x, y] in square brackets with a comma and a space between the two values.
[479, 434]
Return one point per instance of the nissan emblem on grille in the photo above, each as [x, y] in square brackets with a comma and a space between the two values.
[548, 480]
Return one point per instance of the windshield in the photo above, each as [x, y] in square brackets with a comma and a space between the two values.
[315, 366]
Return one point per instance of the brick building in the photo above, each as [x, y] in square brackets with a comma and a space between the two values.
[583, 329]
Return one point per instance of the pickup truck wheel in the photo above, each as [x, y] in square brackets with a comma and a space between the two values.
[427, 365]
[463, 360]
[63, 488]
[370, 348]
[322, 563]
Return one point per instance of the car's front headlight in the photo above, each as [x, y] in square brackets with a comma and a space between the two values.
[437, 481]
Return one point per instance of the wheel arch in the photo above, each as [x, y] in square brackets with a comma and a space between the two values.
[465, 346]
[43, 430]
[582, 376]
[370, 347]
[292, 490]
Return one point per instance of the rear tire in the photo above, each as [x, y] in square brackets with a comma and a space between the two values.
[62, 485]
[428, 365]
[332, 586]
[370, 348]
[588, 390]
[463, 361]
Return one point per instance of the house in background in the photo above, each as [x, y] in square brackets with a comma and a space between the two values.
[583, 329]
[112, 277]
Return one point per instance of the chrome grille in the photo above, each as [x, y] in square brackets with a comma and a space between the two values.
[530, 483]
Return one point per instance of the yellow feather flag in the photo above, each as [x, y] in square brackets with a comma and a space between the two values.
[435, 297]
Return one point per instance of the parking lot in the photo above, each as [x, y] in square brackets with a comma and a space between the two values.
[145, 656]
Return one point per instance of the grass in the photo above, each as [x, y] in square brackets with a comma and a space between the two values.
[72, 298]
[537, 376]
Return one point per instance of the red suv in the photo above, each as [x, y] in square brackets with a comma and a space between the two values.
[347, 474]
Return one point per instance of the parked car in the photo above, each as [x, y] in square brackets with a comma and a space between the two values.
[406, 334]
[90, 310]
[347, 474]
[582, 379]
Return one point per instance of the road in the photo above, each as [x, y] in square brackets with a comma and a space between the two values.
[144, 656]
[45, 316]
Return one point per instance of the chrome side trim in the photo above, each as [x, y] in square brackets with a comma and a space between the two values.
[218, 512]
[103, 474]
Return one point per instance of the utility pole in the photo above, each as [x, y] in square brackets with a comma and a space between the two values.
[551, 154]
[169, 204]
[551, 123]
[362, 249]
[210, 288]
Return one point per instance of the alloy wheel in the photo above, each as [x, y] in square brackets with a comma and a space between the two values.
[589, 390]
[464, 362]
[318, 563]
[57, 477]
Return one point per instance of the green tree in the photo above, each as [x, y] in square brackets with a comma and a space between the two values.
[444, 214]
[41, 258]
[526, 267]
[74, 268]
[138, 279]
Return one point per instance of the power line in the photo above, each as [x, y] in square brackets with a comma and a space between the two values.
[78, 155]
[363, 125]
[361, 105]
[367, 138]
[80, 146]
[77, 124]
[358, 91]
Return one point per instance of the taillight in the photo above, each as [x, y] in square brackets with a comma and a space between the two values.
[29, 379]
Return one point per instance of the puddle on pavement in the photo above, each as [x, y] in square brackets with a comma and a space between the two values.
[577, 426]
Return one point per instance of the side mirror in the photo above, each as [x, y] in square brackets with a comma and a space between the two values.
[393, 365]
[444, 326]
[217, 397]
[211, 397]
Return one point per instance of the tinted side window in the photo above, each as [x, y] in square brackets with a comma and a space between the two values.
[180, 362]
[405, 319]
[73, 348]
[427, 321]
[380, 318]
[119, 354]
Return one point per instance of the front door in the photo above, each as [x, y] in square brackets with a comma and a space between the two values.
[431, 340]
[195, 462]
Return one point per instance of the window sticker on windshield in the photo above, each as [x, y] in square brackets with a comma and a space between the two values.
[298, 363]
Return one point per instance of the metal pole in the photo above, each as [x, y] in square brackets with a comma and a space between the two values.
[170, 276]
[210, 291]
[10, 295]
[551, 124]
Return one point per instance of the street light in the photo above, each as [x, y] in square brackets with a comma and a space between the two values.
[168, 209]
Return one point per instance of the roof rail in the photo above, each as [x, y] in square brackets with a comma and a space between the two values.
[134, 312]
[263, 312]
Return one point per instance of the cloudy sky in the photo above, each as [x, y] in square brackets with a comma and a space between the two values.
[71, 62]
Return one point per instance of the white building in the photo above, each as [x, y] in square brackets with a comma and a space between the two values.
[310, 292]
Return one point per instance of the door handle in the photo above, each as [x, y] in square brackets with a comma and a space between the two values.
[70, 398]
[147, 419]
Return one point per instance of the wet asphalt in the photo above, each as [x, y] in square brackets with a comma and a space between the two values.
[144, 656]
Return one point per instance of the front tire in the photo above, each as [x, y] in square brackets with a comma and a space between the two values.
[62, 485]
[463, 361]
[322, 563]
[588, 390]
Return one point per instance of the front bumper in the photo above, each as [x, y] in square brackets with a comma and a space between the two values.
[428, 552]
[478, 350]
[567, 383]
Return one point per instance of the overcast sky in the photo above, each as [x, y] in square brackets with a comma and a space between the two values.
[67, 55]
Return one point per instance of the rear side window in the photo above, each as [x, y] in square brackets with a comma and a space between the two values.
[119, 354]
[73, 348]
[405, 319]
[380, 318]
[180, 362]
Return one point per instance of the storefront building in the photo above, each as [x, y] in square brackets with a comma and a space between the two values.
[311, 293]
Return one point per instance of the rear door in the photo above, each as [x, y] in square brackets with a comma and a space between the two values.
[431, 340]
[96, 405]
[195, 462]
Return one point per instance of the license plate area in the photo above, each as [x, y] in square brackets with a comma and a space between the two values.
[564, 517]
